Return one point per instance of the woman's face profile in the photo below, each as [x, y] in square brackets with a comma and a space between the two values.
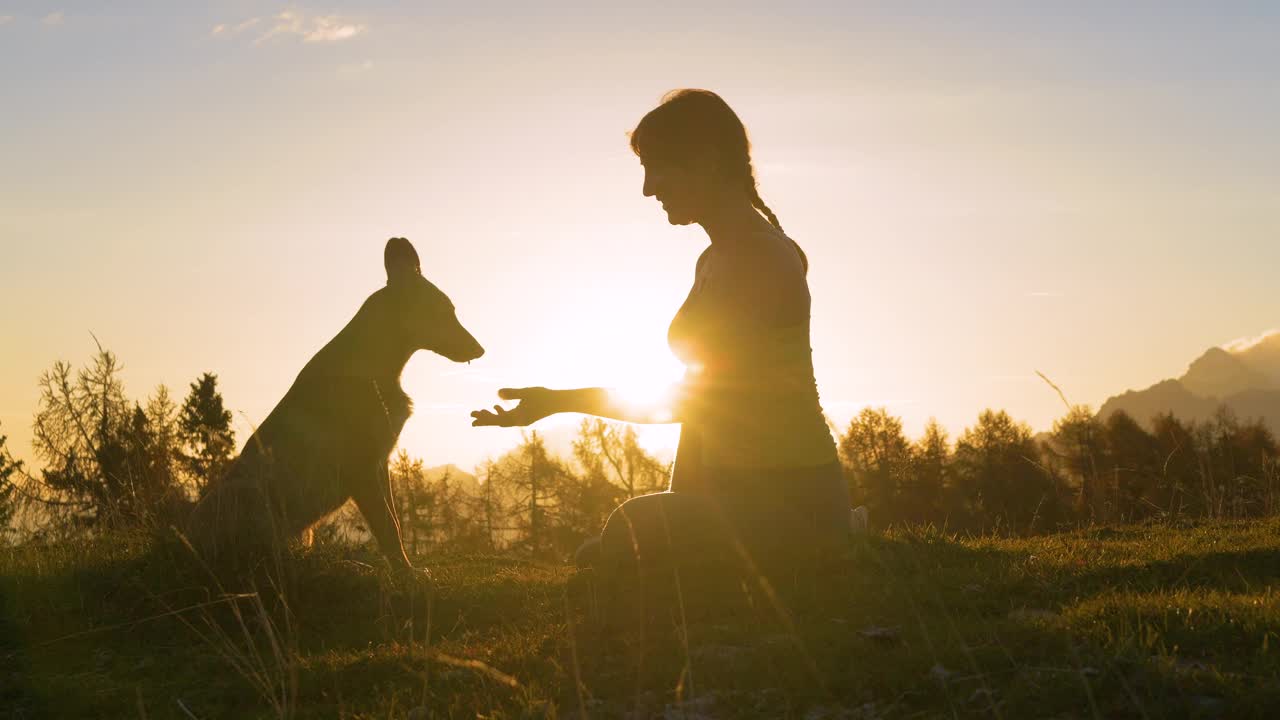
[678, 187]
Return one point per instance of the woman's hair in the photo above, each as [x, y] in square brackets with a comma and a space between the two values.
[692, 120]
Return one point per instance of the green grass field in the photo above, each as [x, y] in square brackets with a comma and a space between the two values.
[1142, 622]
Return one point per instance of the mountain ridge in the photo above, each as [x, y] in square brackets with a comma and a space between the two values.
[1243, 376]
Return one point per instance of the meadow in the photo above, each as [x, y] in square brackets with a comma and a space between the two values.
[1135, 621]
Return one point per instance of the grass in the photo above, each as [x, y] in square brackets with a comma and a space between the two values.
[1136, 621]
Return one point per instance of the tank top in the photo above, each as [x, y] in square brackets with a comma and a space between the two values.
[749, 397]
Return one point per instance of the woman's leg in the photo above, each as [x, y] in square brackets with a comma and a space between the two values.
[658, 530]
[750, 516]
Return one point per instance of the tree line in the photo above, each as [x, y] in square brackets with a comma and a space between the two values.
[998, 476]
[108, 462]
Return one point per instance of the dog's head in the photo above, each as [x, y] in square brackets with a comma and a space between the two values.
[419, 312]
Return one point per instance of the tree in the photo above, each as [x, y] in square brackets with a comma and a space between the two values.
[453, 524]
[9, 468]
[76, 434]
[612, 452]
[1235, 461]
[998, 466]
[925, 494]
[1132, 461]
[1256, 451]
[105, 464]
[414, 502]
[433, 511]
[490, 507]
[162, 419]
[877, 460]
[152, 475]
[1074, 449]
[536, 481]
[1177, 488]
[204, 431]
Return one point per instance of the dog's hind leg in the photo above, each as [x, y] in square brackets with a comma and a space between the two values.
[377, 504]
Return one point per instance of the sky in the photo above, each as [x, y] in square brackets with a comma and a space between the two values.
[984, 190]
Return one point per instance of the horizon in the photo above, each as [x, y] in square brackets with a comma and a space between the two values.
[983, 192]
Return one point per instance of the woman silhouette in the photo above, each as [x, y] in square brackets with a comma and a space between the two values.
[756, 472]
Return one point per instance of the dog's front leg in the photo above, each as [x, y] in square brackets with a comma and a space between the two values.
[376, 503]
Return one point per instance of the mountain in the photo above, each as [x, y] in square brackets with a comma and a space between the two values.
[1218, 373]
[1244, 376]
[1262, 355]
[1166, 396]
[457, 476]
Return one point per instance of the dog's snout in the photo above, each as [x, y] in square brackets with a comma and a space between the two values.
[470, 350]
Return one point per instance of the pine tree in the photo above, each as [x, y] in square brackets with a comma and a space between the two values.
[205, 434]
[9, 468]
[416, 505]
[538, 479]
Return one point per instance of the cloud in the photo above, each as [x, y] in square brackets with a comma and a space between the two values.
[6, 19]
[53, 18]
[290, 23]
[228, 30]
[1245, 343]
[331, 28]
[319, 29]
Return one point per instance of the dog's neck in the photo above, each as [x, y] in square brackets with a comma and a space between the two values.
[363, 350]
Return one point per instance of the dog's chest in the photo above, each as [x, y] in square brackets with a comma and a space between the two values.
[396, 407]
[352, 417]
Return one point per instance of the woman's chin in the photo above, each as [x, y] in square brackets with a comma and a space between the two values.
[677, 219]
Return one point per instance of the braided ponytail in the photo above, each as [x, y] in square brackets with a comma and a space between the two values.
[753, 193]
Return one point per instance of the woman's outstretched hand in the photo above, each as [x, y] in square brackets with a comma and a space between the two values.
[535, 404]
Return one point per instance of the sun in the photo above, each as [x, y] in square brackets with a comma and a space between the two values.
[645, 380]
[642, 376]
[644, 387]
[639, 376]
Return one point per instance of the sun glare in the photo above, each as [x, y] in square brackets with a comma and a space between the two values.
[643, 391]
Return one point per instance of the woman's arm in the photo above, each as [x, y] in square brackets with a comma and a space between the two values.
[607, 403]
[539, 402]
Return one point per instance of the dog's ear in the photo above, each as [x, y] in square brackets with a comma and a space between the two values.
[401, 260]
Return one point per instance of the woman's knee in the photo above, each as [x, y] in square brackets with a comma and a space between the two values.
[658, 528]
[633, 524]
[588, 554]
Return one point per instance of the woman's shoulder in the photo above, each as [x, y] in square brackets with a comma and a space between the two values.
[764, 256]
[703, 259]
